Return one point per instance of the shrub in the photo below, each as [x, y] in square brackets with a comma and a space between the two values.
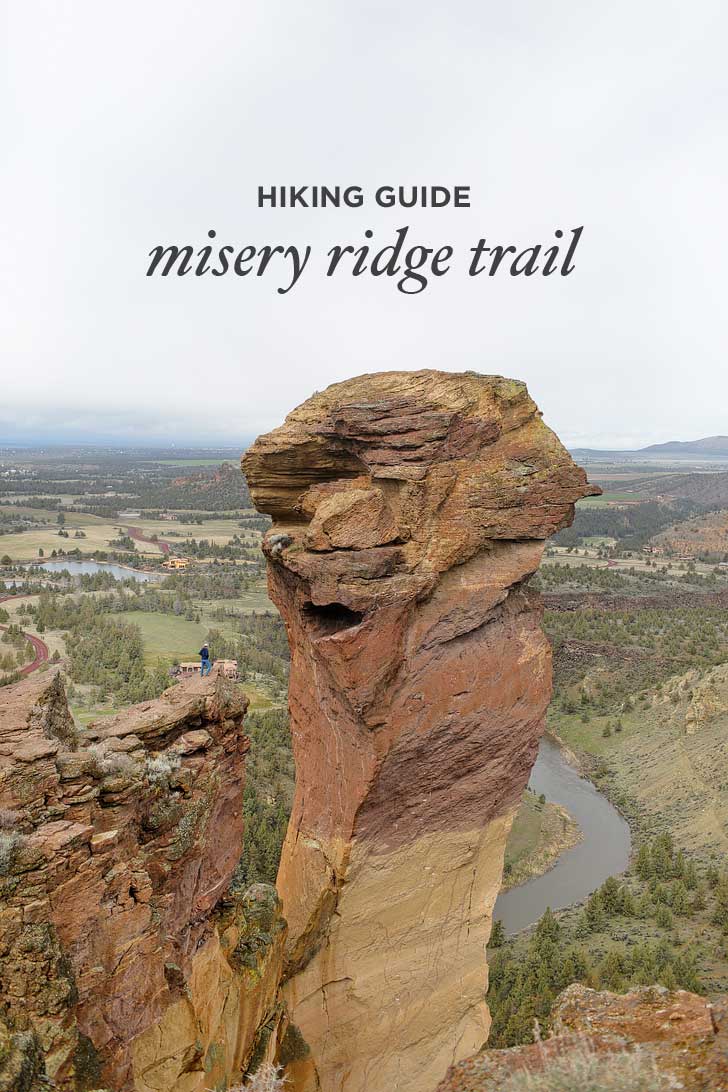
[8, 846]
[266, 1079]
[582, 1068]
[159, 770]
[8, 819]
[111, 762]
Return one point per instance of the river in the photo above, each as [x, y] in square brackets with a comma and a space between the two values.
[121, 572]
[603, 851]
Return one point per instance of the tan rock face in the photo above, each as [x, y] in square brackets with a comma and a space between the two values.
[679, 1035]
[123, 961]
[409, 510]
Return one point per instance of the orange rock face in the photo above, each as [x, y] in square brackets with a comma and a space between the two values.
[120, 966]
[409, 511]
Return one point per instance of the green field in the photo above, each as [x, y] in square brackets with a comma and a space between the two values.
[254, 600]
[166, 636]
[170, 637]
[190, 462]
[610, 498]
[219, 531]
[540, 833]
[99, 533]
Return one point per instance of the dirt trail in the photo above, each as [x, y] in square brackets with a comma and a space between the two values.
[136, 534]
[41, 648]
[41, 654]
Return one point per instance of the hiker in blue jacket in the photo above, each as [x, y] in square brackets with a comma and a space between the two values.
[205, 662]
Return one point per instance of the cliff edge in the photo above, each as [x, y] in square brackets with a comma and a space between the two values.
[125, 962]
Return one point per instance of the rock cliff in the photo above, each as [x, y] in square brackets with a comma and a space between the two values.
[409, 511]
[125, 962]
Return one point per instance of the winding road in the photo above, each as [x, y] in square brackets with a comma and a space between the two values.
[136, 534]
[41, 648]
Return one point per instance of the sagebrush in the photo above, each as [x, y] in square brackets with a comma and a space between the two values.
[582, 1068]
[266, 1079]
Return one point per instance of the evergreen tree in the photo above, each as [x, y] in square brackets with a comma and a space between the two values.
[663, 917]
[498, 935]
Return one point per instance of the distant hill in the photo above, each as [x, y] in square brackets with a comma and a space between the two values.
[709, 490]
[710, 447]
[218, 490]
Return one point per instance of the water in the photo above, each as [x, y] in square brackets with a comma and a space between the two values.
[121, 572]
[603, 851]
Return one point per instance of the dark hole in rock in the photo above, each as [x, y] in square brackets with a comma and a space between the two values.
[332, 617]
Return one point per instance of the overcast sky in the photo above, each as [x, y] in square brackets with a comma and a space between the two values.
[141, 123]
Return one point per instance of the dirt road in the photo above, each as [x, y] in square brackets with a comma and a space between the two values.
[136, 534]
[41, 648]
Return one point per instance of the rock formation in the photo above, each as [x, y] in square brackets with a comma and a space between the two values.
[409, 510]
[124, 960]
[680, 1036]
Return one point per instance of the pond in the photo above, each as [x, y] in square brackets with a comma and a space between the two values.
[121, 572]
[603, 851]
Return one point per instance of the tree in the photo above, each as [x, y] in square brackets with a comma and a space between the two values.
[40, 552]
[679, 898]
[720, 917]
[629, 905]
[61, 520]
[498, 935]
[548, 926]
[643, 864]
[594, 912]
[663, 917]
[611, 896]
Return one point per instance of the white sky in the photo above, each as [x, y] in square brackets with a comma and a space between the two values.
[129, 125]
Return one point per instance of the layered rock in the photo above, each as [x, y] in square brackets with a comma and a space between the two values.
[125, 962]
[678, 1039]
[409, 511]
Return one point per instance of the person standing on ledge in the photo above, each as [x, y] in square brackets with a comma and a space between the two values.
[205, 662]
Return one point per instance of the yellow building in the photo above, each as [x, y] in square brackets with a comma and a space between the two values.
[176, 563]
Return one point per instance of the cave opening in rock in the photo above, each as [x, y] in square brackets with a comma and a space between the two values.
[330, 618]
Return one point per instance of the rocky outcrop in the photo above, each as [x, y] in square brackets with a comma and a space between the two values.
[679, 1038]
[125, 961]
[409, 511]
[708, 699]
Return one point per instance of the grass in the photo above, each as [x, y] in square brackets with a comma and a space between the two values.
[582, 1069]
[25, 546]
[166, 636]
[540, 833]
[83, 715]
[255, 599]
[99, 533]
[610, 498]
[189, 462]
[219, 531]
[673, 781]
[599, 540]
